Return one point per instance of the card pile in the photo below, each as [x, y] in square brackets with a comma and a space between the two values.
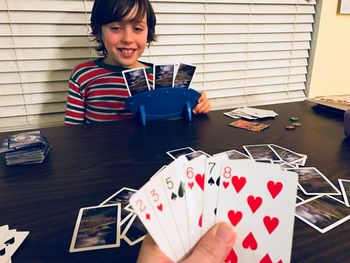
[105, 225]
[250, 113]
[25, 148]
[10, 240]
[164, 76]
[184, 199]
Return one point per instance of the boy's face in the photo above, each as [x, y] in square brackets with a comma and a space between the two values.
[125, 41]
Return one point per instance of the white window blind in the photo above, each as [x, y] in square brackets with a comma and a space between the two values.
[247, 52]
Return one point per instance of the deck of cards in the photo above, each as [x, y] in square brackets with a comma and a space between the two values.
[10, 240]
[185, 198]
[25, 148]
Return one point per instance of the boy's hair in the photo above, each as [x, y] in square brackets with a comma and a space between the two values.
[108, 11]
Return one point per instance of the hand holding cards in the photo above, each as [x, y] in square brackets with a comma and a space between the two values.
[257, 198]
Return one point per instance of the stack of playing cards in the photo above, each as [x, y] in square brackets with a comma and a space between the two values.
[25, 148]
[106, 225]
[250, 113]
[10, 240]
[185, 198]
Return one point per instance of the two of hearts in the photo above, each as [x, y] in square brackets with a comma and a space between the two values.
[238, 183]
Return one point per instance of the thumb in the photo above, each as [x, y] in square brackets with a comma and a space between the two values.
[214, 246]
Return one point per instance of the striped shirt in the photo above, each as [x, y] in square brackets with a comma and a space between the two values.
[97, 93]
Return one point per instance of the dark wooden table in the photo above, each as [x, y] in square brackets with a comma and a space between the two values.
[89, 163]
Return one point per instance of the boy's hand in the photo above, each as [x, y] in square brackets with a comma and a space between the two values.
[213, 247]
[203, 105]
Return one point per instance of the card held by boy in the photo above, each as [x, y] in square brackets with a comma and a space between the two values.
[163, 76]
[184, 75]
[136, 81]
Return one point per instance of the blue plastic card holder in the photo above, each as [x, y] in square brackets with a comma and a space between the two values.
[163, 103]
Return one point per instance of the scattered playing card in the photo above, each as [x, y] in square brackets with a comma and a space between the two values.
[248, 125]
[178, 152]
[322, 212]
[345, 189]
[313, 182]
[10, 240]
[96, 228]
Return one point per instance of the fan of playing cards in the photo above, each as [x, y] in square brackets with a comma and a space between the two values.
[184, 199]
[10, 240]
[25, 148]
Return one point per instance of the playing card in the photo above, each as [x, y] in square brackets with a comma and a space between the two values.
[163, 76]
[147, 215]
[193, 155]
[136, 81]
[211, 187]
[178, 152]
[260, 203]
[134, 232]
[313, 182]
[11, 243]
[96, 228]
[194, 176]
[184, 75]
[345, 189]
[261, 152]
[174, 186]
[248, 125]
[159, 202]
[322, 212]
[233, 155]
[286, 155]
[121, 196]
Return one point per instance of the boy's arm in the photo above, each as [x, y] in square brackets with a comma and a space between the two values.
[75, 108]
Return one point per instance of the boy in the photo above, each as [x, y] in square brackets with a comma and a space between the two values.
[97, 91]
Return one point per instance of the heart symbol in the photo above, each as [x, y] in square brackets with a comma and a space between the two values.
[211, 181]
[225, 184]
[250, 242]
[254, 202]
[234, 217]
[266, 259]
[148, 216]
[274, 188]
[238, 183]
[200, 180]
[190, 185]
[270, 223]
[231, 257]
[200, 221]
[160, 207]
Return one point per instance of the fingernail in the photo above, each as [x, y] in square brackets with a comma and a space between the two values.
[225, 233]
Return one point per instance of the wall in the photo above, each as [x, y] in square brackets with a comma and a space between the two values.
[330, 74]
